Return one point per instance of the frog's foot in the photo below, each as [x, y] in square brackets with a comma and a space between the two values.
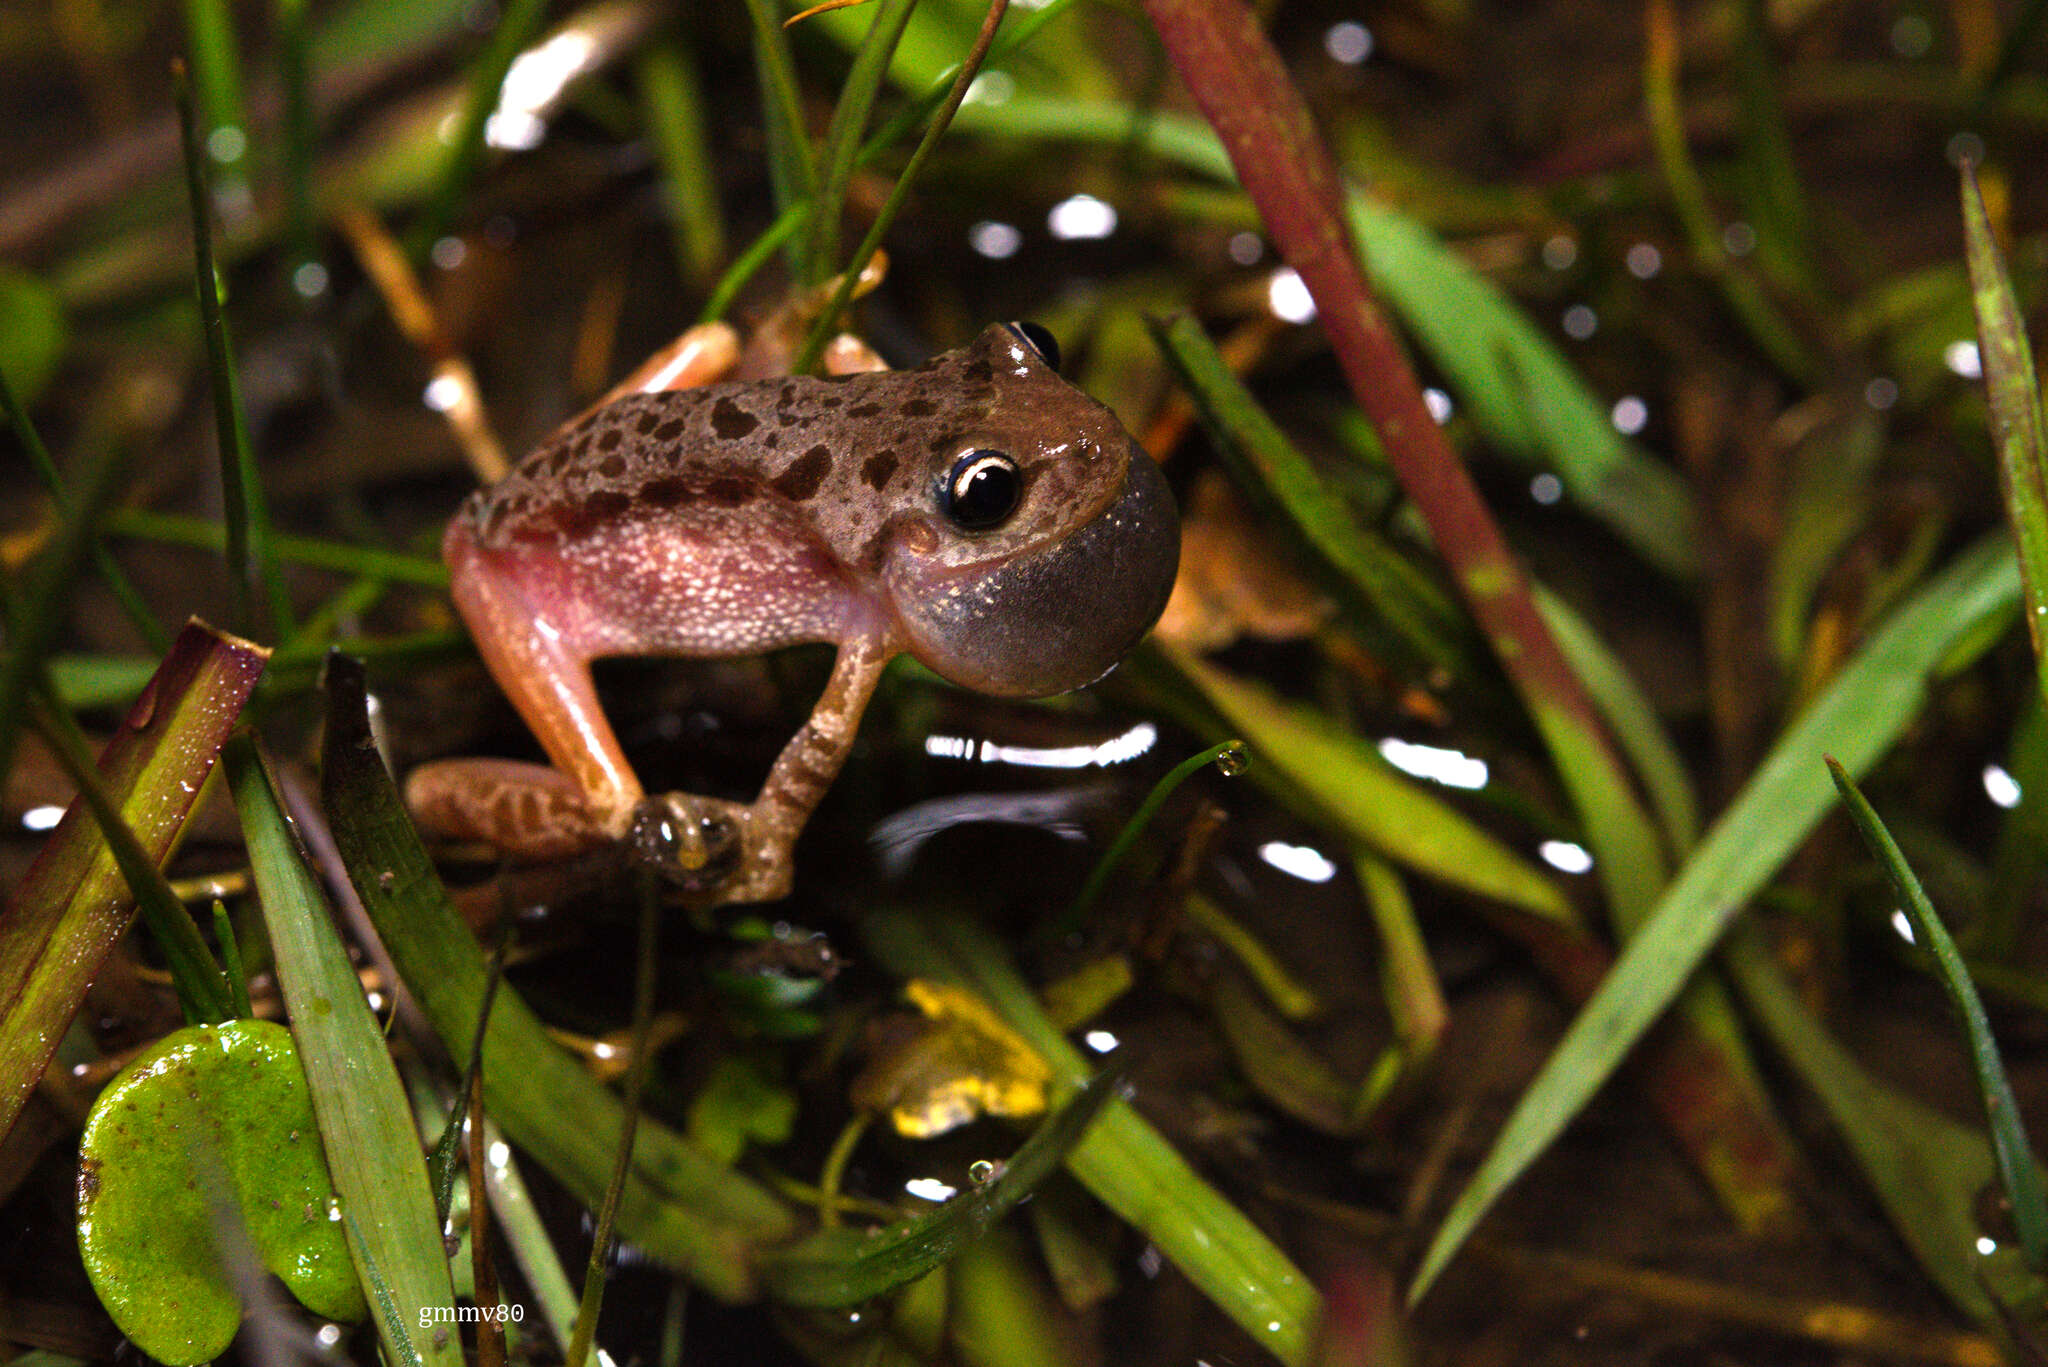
[529, 811]
[711, 849]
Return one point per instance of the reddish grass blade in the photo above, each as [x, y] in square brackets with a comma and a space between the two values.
[74, 904]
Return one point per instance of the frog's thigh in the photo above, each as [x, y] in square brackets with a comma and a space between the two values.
[528, 810]
[543, 665]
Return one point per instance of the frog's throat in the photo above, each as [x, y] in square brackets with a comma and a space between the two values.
[1058, 616]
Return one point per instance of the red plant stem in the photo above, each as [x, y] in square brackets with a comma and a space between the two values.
[1238, 80]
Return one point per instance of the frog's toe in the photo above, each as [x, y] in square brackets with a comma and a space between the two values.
[694, 843]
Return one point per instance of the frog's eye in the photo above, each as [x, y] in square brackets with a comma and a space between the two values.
[1039, 340]
[981, 491]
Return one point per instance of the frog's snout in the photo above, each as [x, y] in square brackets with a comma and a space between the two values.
[1059, 616]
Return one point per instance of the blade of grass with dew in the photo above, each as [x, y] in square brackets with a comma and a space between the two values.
[295, 74]
[373, 1146]
[73, 904]
[1929, 1171]
[1774, 201]
[672, 110]
[1367, 798]
[1382, 584]
[2018, 428]
[203, 991]
[246, 513]
[1517, 386]
[844, 1266]
[1870, 703]
[683, 1209]
[2016, 1169]
[518, 21]
[217, 77]
[1228, 756]
[843, 137]
[1124, 1161]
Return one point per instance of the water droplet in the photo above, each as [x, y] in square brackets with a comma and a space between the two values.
[980, 1171]
[1233, 759]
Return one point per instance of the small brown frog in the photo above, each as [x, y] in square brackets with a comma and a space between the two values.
[978, 512]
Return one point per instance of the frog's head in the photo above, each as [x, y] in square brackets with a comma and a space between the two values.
[1044, 541]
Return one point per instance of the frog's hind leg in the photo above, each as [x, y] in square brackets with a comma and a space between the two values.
[530, 810]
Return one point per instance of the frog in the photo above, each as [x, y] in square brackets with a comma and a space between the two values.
[977, 513]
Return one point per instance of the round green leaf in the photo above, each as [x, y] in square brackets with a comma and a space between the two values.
[208, 1133]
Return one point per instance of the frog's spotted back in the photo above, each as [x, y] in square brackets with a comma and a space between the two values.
[858, 455]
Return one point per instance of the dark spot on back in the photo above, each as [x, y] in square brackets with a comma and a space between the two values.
[649, 420]
[666, 492]
[980, 371]
[669, 430]
[942, 444]
[609, 439]
[829, 401]
[772, 440]
[805, 474]
[606, 504]
[727, 491]
[919, 408]
[611, 467]
[863, 410]
[730, 421]
[877, 468]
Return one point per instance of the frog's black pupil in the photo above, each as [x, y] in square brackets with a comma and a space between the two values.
[982, 490]
[1040, 341]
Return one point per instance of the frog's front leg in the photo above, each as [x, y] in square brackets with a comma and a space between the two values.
[748, 847]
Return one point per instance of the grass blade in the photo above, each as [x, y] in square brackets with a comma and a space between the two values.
[373, 1148]
[246, 513]
[517, 23]
[681, 1207]
[1228, 756]
[73, 904]
[1382, 584]
[672, 108]
[843, 135]
[1123, 1160]
[2016, 1167]
[2017, 426]
[792, 170]
[844, 1266]
[1868, 706]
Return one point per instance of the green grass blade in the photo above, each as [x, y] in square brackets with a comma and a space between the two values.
[672, 109]
[73, 905]
[2017, 426]
[2016, 1167]
[1861, 714]
[373, 1148]
[844, 1266]
[246, 513]
[1928, 1170]
[792, 170]
[295, 74]
[1124, 1161]
[1230, 756]
[843, 136]
[217, 75]
[1382, 584]
[684, 1209]
[1629, 715]
[176, 529]
[1368, 799]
